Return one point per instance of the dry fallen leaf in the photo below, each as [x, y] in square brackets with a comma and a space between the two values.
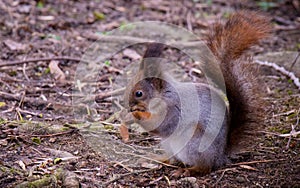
[22, 165]
[131, 54]
[14, 46]
[58, 74]
[248, 167]
[149, 165]
[124, 133]
[59, 153]
[3, 142]
[52, 140]
[2, 104]
[46, 18]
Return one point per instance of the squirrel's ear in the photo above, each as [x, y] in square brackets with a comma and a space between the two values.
[154, 49]
[150, 65]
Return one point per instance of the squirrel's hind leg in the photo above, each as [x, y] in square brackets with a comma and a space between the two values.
[192, 171]
[199, 170]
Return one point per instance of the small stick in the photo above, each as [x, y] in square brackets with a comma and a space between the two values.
[222, 175]
[188, 21]
[28, 112]
[122, 165]
[2, 64]
[292, 133]
[17, 97]
[150, 159]
[253, 162]
[55, 134]
[294, 62]
[291, 75]
[24, 72]
[119, 39]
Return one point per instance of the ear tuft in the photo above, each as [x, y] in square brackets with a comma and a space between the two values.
[150, 65]
[154, 50]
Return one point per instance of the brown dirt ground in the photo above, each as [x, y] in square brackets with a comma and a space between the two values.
[35, 131]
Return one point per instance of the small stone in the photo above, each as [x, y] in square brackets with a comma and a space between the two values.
[240, 179]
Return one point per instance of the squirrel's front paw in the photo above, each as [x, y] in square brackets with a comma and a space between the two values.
[180, 172]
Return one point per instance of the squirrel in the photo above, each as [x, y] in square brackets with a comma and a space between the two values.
[168, 108]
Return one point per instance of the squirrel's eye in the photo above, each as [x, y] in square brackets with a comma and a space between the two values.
[139, 93]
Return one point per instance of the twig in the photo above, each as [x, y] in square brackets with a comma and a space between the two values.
[292, 133]
[22, 99]
[294, 62]
[102, 96]
[290, 138]
[118, 38]
[20, 104]
[6, 84]
[116, 125]
[44, 127]
[36, 150]
[116, 102]
[291, 75]
[19, 115]
[2, 64]
[156, 180]
[37, 102]
[281, 135]
[254, 162]
[17, 97]
[284, 113]
[24, 72]
[108, 38]
[168, 180]
[117, 163]
[188, 21]
[28, 112]
[55, 134]
[150, 159]
[222, 175]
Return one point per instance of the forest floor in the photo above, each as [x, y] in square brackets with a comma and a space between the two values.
[41, 143]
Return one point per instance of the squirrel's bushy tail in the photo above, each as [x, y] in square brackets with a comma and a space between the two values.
[228, 42]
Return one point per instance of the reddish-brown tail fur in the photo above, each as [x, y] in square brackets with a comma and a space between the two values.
[228, 43]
